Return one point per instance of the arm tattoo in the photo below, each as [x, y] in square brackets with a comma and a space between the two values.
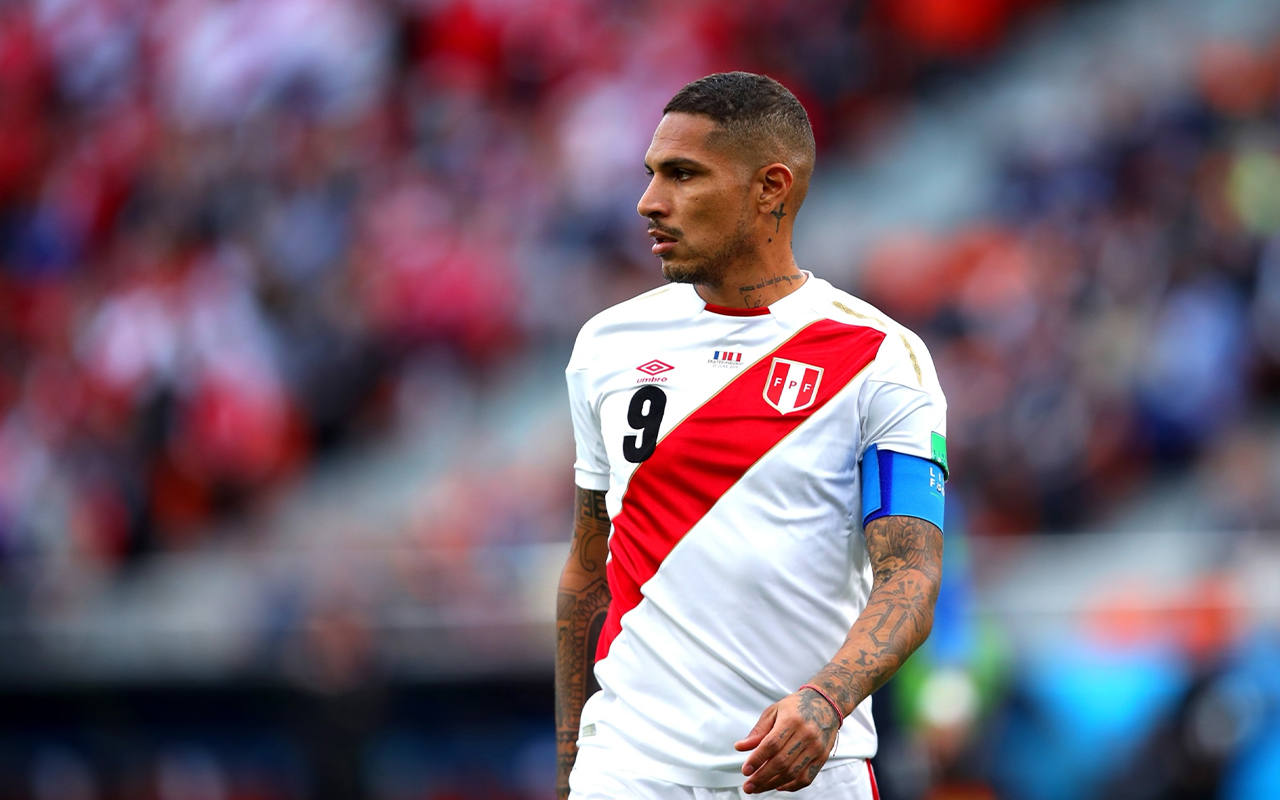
[581, 607]
[906, 559]
[591, 524]
[579, 618]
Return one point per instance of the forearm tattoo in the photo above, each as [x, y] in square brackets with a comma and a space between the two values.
[581, 607]
[906, 559]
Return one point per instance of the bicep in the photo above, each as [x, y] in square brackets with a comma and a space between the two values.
[590, 545]
[900, 543]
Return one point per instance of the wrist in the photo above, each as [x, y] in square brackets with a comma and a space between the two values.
[840, 715]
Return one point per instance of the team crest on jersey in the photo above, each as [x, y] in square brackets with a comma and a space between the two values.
[792, 385]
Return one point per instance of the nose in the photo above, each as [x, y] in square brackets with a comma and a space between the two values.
[651, 203]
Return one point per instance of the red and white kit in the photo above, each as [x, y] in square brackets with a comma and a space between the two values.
[729, 442]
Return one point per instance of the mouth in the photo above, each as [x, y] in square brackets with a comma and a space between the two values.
[662, 242]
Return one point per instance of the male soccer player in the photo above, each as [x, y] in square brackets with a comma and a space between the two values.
[760, 463]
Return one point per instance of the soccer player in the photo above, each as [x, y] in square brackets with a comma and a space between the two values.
[760, 467]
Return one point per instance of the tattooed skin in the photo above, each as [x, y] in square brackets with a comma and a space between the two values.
[906, 559]
[794, 736]
[787, 279]
[585, 544]
[778, 214]
[581, 607]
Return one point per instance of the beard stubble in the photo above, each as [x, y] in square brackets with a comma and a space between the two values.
[711, 269]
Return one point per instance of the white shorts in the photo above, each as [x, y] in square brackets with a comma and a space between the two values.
[852, 780]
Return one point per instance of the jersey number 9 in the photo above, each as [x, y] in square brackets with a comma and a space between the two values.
[645, 415]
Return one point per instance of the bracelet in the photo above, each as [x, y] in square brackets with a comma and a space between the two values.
[827, 697]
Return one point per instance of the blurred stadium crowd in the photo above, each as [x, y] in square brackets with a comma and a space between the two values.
[238, 235]
[1116, 318]
[229, 229]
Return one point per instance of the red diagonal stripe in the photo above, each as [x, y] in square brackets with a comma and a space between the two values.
[699, 459]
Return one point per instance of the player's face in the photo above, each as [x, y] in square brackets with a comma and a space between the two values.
[697, 202]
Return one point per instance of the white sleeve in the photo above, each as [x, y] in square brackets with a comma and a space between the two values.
[903, 408]
[591, 466]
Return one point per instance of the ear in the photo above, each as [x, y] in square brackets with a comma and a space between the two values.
[774, 184]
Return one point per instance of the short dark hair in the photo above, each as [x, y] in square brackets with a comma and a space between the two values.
[757, 116]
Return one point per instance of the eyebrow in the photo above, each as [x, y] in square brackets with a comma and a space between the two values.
[679, 163]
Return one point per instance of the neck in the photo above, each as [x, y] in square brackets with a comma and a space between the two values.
[754, 285]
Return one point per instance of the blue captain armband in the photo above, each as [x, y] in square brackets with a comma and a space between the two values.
[896, 484]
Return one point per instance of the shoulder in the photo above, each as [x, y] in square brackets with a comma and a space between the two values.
[654, 304]
[827, 301]
[903, 356]
[656, 307]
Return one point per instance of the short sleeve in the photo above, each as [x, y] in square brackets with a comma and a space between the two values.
[903, 408]
[591, 464]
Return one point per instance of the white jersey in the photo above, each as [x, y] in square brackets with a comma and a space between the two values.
[729, 442]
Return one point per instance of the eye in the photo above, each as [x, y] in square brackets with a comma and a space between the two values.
[683, 174]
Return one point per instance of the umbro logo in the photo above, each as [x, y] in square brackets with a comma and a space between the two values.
[654, 370]
[655, 367]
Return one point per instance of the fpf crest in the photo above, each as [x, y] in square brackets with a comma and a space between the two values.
[792, 385]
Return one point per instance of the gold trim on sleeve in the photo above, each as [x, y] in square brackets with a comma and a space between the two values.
[853, 313]
[915, 362]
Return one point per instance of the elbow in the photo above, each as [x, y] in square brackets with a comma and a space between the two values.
[933, 585]
[926, 623]
[926, 600]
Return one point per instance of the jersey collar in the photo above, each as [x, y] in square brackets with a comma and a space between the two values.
[796, 307]
[792, 308]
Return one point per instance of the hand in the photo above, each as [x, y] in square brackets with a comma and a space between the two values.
[790, 743]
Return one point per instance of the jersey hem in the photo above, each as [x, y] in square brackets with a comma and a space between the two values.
[639, 764]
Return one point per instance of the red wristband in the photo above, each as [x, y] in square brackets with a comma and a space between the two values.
[827, 697]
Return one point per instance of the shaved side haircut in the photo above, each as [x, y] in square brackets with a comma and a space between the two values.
[757, 118]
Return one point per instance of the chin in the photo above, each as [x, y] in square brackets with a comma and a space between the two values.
[685, 273]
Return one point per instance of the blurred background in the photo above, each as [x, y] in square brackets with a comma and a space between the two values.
[286, 292]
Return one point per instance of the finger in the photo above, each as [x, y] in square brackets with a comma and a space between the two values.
[805, 775]
[790, 777]
[784, 766]
[758, 733]
[773, 742]
[770, 777]
[806, 758]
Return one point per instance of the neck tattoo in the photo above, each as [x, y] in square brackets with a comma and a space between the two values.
[787, 279]
[778, 213]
